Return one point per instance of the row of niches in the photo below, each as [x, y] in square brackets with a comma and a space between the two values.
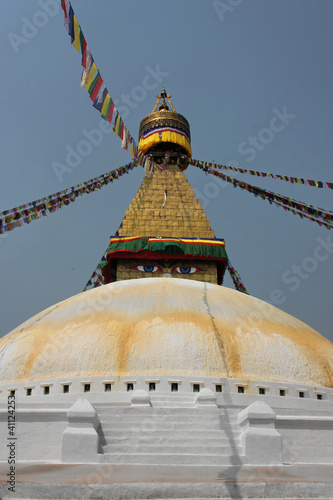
[163, 386]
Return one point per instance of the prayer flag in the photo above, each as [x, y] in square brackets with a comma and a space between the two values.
[123, 135]
[83, 45]
[118, 125]
[111, 114]
[114, 119]
[91, 78]
[106, 106]
[95, 86]
[92, 73]
[76, 41]
[68, 16]
[71, 23]
[87, 66]
[98, 103]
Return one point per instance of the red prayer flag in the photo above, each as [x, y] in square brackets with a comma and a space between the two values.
[84, 52]
[122, 130]
[109, 117]
[98, 85]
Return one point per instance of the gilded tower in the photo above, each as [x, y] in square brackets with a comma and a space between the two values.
[165, 231]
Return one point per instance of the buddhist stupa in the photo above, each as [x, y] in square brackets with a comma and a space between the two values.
[163, 383]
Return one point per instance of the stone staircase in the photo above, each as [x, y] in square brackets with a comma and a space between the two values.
[167, 435]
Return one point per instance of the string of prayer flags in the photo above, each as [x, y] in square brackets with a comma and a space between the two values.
[320, 216]
[24, 214]
[92, 80]
[100, 280]
[287, 178]
[148, 164]
[236, 279]
[302, 216]
[97, 278]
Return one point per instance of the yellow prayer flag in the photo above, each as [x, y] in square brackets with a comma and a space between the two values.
[76, 41]
[92, 73]
[117, 125]
[105, 105]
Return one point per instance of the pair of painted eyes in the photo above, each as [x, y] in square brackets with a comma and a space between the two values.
[178, 269]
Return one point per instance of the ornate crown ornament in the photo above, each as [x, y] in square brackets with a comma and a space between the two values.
[164, 127]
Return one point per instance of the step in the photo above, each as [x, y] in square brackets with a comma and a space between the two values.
[204, 412]
[196, 412]
[167, 419]
[167, 425]
[170, 412]
[168, 449]
[161, 398]
[173, 395]
[181, 459]
[147, 426]
[160, 418]
[173, 404]
[172, 439]
[164, 413]
[156, 434]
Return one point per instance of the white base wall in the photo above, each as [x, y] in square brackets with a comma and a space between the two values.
[38, 434]
[304, 424]
[306, 439]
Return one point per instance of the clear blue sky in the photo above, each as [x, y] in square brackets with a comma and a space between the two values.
[227, 72]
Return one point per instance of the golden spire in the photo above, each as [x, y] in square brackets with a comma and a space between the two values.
[165, 211]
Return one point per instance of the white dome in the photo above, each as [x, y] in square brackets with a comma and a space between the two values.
[168, 327]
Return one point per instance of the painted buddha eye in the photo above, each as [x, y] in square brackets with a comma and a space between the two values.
[147, 269]
[186, 270]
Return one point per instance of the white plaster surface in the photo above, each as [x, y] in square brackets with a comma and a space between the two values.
[80, 441]
[140, 398]
[261, 442]
[206, 397]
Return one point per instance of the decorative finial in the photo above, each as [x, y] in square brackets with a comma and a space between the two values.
[163, 95]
